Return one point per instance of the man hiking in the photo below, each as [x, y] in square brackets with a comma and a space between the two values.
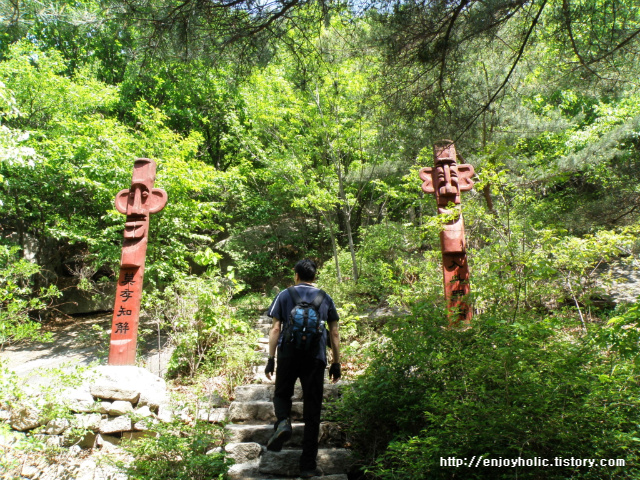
[301, 315]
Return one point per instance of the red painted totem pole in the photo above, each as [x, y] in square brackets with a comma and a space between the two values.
[447, 179]
[137, 203]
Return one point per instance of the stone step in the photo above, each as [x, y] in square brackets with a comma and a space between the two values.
[259, 412]
[332, 461]
[330, 434]
[261, 379]
[264, 392]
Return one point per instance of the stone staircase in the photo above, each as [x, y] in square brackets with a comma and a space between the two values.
[251, 418]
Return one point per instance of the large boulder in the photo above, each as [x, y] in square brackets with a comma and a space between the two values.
[75, 301]
[129, 383]
[115, 424]
[26, 417]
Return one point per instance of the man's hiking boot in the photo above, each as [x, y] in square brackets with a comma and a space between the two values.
[314, 472]
[282, 434]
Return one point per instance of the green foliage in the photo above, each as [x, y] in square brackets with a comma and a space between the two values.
[18, 299]
[177, 451]
[203, 327]
[501, 389]
[622, 335]
[60, 179]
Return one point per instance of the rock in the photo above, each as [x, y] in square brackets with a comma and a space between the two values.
[57, 426]
[54, 440]
[144, 412]
[240, 412]
[286, 462]
[87, 470]
[113, 425]
[243, 452]
[75, 301]
[53, 472]
[103, 407]
[263, 393]
[214, 451]
[9, 438]
[138, 435]
[153, 397]
[215, 415]
[113, 391]
[74, 450]
[79, 399]
[25, 418]
[83, 440]
[213, 400]
[87, 422]
[130, 383]
[106, 440]
[165, 414]
[242, 471]
[254, 393]
[145, 424]
[330, 434]
[120, 407]
[260, 412]
[5, 415]
[29, 471]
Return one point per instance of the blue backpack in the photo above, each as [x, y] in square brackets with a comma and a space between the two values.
[304, 327]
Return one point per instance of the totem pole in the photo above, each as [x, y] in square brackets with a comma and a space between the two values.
[137, 203]
[446, 180]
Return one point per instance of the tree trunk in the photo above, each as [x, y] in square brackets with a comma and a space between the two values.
[333, 246]
[347, 217]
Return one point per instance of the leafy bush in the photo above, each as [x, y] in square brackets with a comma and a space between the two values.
[18, 298]
[178, 452]
[203, 326]
[500, 389]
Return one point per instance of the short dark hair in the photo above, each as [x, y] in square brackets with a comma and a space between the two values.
[306, 270]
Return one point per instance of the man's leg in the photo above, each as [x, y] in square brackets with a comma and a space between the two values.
[286, 375]
[312, 379]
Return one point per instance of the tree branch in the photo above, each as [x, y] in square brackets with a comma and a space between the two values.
[567, 19]
[506, 80]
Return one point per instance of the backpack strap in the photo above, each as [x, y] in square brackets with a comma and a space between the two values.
[294, 295]
[318, 300]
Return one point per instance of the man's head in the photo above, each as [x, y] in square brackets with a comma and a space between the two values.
[306, 270]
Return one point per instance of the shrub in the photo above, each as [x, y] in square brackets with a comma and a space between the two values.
[19, 298]
[500, 389]
[178, 452]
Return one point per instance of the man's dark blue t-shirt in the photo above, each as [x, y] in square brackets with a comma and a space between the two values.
[283, 304]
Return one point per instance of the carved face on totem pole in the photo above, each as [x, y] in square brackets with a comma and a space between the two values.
[137, 203]
[447, 179]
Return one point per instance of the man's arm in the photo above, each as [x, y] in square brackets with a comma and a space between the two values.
[274, 334]
[335, 341]
[334, 370]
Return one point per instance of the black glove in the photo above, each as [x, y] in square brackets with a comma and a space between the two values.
[334, 372]
[271, 366]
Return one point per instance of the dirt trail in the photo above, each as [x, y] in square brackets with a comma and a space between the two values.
[77, 342]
